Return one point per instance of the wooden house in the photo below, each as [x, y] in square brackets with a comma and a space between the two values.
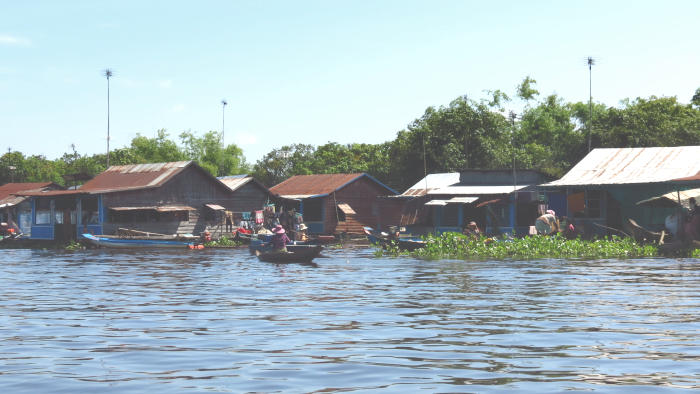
[335, 203]
[603, 189]
[165, 198]
[497, 200]
[15, 208]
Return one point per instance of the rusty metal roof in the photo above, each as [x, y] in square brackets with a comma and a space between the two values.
[12, 193]
[123, 178]
[613, 166]
[134, 176]
[304, 186]
[9, 189]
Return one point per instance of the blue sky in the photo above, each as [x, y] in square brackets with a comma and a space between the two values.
[315, 71]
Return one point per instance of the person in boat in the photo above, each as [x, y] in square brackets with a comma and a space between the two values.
[279, 239]
[472, 230]
[300, 235]
[547, 223]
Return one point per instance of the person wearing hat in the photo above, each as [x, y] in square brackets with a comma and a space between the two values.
[472, 230]
[300, 235]
[279, 239]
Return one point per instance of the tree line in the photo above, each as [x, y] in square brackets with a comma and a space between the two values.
[549, 135]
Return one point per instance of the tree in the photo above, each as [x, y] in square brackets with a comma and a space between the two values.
[284, 162]
[695, 101]
[208, 153]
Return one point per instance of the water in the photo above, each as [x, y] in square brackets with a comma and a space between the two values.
[219, 320]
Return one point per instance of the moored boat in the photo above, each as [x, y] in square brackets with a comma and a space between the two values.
[130, 243]
[384, 240]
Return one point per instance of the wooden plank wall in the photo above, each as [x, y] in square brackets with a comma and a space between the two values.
[361, 195]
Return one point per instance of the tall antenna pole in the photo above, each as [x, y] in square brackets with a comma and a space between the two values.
[425, 167]
[108, 74]
[223, 122]
[590, 61]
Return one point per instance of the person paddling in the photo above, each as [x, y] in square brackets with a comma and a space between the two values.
[279, 239]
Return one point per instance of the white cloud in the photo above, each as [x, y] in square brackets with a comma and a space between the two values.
[12, 40]
[165, 84]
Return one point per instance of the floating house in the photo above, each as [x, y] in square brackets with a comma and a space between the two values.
[603, 189]
[248, 193]
[334, 203]
[165, 198]
[500, 201]
[15, 208]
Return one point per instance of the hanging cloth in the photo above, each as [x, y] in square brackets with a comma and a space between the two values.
[259, 217]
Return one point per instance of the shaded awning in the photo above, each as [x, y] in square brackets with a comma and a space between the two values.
[162, 208]
[436, 202]
[346, 209]
[462, 200]
[215, 207]
[671, 199]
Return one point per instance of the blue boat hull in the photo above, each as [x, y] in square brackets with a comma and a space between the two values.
[127, 243]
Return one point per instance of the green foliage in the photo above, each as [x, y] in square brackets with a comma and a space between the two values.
[222, 242]
[458, 246]
[526, 90]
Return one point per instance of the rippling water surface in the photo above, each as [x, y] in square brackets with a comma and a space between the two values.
[219, 320]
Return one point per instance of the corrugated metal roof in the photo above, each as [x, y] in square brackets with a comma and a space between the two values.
[135, 176]
[161, 208]
[475, 190]
[431, 182]
[9, 189]
[437, 202]
[612, 166]
[303, 186]
[235, 182]
[14, 193]
[123, 178]
[462, 200]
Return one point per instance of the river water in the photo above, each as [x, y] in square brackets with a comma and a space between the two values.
[221, 321]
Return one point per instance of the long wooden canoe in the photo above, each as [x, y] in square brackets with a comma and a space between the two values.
[298, 255]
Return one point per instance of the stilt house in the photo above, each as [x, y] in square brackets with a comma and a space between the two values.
[335, 203]
[165, 198]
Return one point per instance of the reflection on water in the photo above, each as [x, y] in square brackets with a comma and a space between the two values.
[219, 320]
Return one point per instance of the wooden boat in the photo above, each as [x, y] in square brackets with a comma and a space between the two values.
[263, 246]
[135, 243]
[300, 254]
[384, 240]
[640, 234]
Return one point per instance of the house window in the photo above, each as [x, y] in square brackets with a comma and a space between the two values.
[313, 209]
[594, 201]
[43, 212]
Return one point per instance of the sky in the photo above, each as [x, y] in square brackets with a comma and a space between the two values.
[314, 72]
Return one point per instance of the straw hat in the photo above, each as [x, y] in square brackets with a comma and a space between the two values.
[302, 227]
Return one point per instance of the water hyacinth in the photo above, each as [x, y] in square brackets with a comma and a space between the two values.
[458, 246]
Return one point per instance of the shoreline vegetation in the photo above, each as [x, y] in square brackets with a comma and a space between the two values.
[458, 246]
